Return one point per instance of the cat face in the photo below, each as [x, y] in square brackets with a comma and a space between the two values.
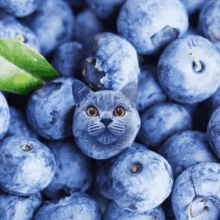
[105, 122]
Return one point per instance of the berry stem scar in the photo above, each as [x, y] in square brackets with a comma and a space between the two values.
[198, 66]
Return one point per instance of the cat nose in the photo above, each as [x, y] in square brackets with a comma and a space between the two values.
[106, 121]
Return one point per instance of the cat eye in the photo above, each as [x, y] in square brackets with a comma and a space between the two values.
[119, 112]
[92, 111]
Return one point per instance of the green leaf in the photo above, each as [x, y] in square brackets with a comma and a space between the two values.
[22, 69]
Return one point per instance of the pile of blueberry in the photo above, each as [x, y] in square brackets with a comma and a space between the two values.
[131, 128]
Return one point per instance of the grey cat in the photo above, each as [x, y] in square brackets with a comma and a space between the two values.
[105, 122]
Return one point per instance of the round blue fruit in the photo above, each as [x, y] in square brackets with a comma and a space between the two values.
[27, 166]
[77, 206]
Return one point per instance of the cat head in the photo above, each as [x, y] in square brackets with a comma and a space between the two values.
[106, 121]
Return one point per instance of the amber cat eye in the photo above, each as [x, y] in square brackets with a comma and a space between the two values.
[119, 112]
[92, 111]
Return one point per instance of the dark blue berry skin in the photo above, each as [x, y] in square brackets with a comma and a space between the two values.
[213, 130]
[87, 25]
[196, 192]
[77, 206]
[149, 89]
[112, 63]
[18, 207]
[13, 27]
[102, 201]
[73, 170]
[4, 93]
[105, 9]
[177, 73]
[161, 121]
[19, 125]
[191, 31]
[25, 171]
[186, 149]
[115, 212]
[67, 58]
[53, 24]
[151, 25]
[209, 21]
[103, 168]
[213, 103]
[75, 4]
[20, 8]
[140, 180]
[4, 116]
[193, 6]
[50, 109]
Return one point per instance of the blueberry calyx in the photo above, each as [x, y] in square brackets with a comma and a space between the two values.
[26, 147]
[136, 168]
[93, 74]
[198, 68]
[202, 212]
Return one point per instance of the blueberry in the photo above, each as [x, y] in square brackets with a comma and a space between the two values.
[213, 131]
[105, 123]
[73, 170]
[18, 124]
[150, 25]
[115, 212]
[112, 63]
[196, 192]
[53, 24]
[87, 25]
[77, 206]
[18, 207]
[179, 75]
[50, 109]
[27, 166]
[213, 102]
[186, 149]
[105, 9]
[209, 21]
[140, 180]
[4, 116]
[149, 90]
[161, 121]
[103, 167]
[20, 8]
[193, 6]
[10, 28]
[67, 58]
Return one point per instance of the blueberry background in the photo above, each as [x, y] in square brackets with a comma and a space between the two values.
[64, 32]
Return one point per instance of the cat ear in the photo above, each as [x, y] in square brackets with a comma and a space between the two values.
[130, 92]
[80, 91]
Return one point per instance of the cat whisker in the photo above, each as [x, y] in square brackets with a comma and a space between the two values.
[95, 132]
[94, 125]
[117, 131]
[117, 127]
[94, 129]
